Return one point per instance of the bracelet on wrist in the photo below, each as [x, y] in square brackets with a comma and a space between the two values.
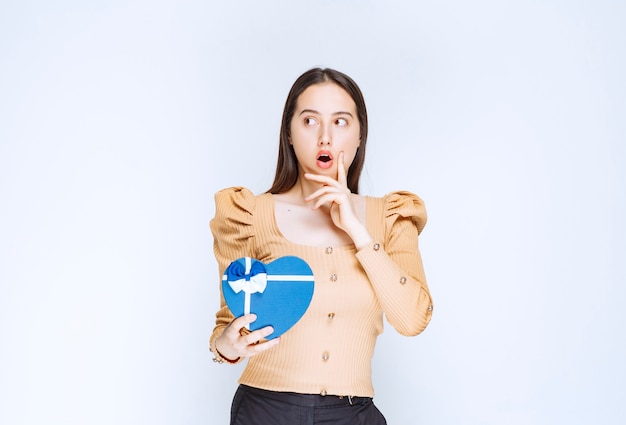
[218, 357]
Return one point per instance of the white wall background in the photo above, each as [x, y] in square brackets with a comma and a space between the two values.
[119, 120]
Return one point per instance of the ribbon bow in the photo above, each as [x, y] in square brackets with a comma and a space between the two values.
[250, 280]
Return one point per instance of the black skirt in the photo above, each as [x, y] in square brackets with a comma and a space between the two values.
[254, 406]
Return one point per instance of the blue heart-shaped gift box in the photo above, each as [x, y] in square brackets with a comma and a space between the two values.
[279, 293]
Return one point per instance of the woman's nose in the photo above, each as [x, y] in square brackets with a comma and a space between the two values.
[325, 137]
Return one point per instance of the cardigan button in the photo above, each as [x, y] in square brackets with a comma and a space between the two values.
[333, 277]
[403, 280]
[329, 250]
[323, 392]
[376, 246]
[325, 356]
[331, 315]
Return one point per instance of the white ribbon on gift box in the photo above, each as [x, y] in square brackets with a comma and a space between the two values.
[249, 285]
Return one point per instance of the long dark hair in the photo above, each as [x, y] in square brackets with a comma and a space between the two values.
[287, 165]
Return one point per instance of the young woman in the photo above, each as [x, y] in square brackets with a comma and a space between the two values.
[363, 252]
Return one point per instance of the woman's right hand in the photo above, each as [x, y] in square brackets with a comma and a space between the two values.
[233, 344]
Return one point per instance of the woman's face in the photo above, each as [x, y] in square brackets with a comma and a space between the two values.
[325, 123]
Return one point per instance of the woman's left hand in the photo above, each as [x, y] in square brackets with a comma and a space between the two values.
[337, 195]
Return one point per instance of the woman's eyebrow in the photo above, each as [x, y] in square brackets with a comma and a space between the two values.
[308, 111]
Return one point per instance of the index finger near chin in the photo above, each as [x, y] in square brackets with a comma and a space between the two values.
[341, 171]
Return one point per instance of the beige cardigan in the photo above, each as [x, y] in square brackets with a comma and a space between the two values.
[329, 351]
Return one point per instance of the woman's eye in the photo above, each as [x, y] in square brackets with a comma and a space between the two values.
[309, 121]
[341, 122]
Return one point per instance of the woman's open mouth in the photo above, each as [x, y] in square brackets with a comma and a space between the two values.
[324, 159]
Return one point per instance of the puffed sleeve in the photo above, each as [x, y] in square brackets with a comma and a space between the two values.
[233, 238]
[394, 266]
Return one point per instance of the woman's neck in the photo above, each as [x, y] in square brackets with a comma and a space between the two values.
[301, 190]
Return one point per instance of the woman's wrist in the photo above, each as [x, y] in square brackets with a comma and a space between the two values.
[361, 237]
[218, 357]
